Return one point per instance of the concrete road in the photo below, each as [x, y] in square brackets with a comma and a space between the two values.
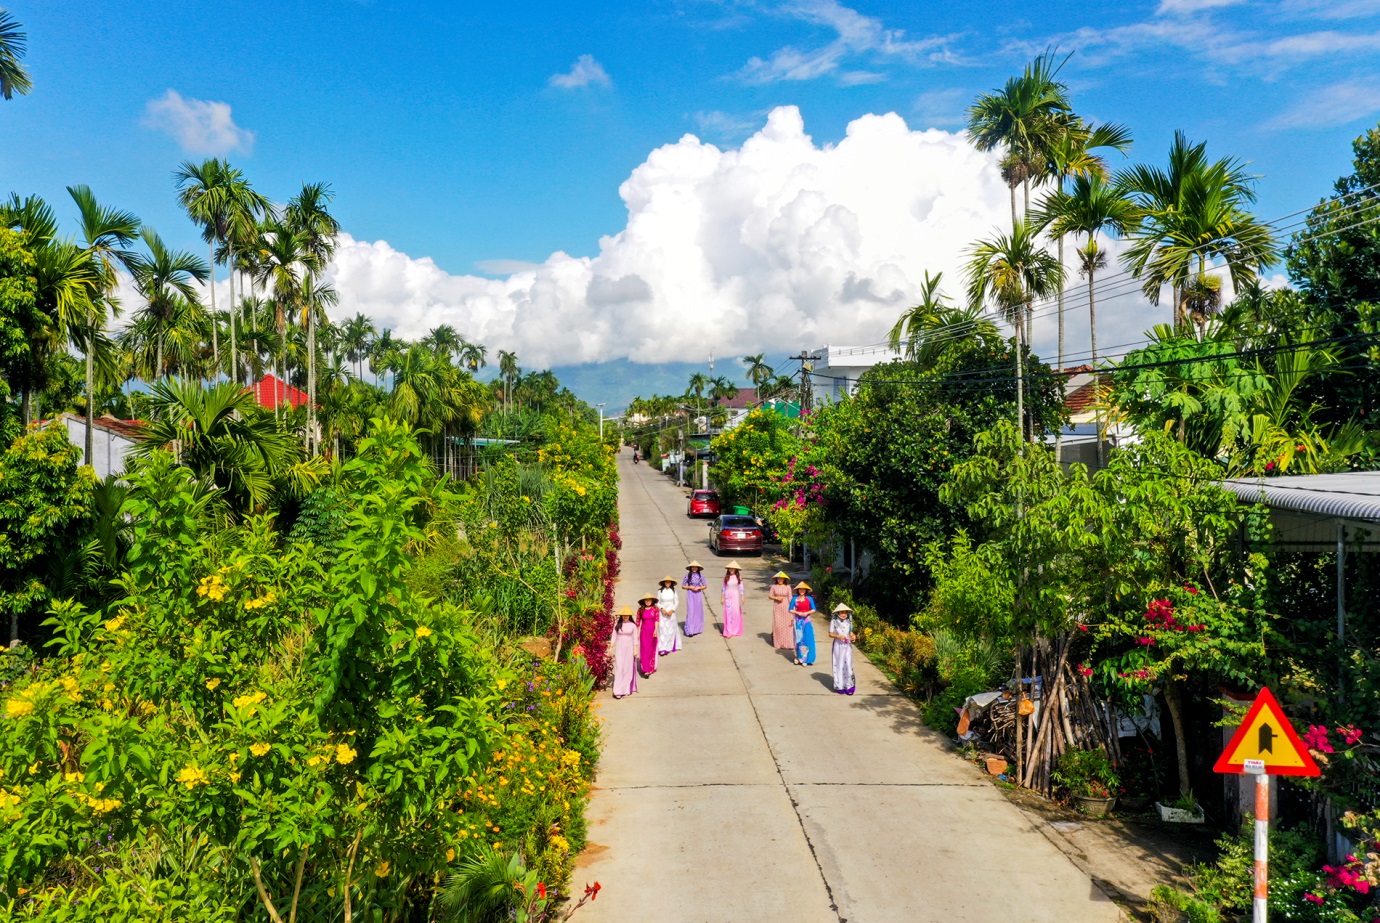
[738, 787]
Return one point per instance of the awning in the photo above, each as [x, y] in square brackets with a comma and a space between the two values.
[1352, 495]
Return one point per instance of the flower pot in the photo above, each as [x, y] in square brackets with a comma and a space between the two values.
[1179, 815]
[1094, 807]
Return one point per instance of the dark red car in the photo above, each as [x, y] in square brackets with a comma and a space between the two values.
[703, 503]
[735, 533]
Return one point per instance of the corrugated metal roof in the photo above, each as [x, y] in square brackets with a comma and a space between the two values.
[1351, 495]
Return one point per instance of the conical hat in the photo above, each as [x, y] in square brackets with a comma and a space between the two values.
[650, 597]
[694, 564]
[842, 608]
[802, 585]
[781, 575]
[626, 610]
[671, 580]
[732, 567]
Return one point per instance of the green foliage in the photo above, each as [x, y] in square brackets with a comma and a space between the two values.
[753, 459]
[250, 724]
[1086, 774]
[45, 509]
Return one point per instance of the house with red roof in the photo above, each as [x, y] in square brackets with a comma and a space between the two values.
[271, 392]
[112, 439]
[1079, 443]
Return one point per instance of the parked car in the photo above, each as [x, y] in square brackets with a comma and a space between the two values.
[703, 503]
[735, 533]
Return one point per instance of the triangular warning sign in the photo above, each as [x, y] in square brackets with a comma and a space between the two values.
[1269, 742]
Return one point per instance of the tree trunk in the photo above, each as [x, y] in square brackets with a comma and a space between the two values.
[26, 402]
[14, 628]
[234, 341]
[311, 378]
[90, 395]
[1016, 706]
[1014, 219]
[1097, 381]
[1059, 434]
[215, 338]
[1020, 380]
[1173, 698]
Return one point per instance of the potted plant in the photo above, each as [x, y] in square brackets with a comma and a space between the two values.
[1089, 778]
[1183, 810]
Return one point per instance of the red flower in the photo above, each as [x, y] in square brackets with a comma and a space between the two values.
[1316, 739]
[1084, 670]
[1351, 734]
[1082, 627]
[1146, 641]
[541, 890]
[1314, 898]
[592, 891]
[1191, 589]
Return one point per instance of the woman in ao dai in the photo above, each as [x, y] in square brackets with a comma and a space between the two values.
[732, 595]
[802, 607]
[782, 624]
[624, 654]
[841, 630]
[668, 631]
[648, 619]
[694, 585]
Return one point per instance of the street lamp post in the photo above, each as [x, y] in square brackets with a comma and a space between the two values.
[601, 420]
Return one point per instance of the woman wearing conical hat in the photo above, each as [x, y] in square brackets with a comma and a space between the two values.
[782, 624]
[669, 638]
[624, 654]
[648, 619]
[693, 585]
[841, 630]
[732, 596]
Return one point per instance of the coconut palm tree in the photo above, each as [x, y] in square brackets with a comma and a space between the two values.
[164, 279]
[1025, 118]
[14, 78]
[1194, 210]
[926, 331]
[106, 233]
[1009, 272]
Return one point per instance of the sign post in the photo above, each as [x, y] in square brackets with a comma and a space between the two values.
[1265, 744]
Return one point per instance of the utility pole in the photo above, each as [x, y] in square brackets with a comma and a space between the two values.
[601, 420]
[806, 361]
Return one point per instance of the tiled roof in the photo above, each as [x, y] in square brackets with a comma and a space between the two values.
[746, 397]
[1083, 397]
[125, 429]
[271, 391]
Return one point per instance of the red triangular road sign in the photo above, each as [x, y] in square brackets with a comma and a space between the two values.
[1268, 742]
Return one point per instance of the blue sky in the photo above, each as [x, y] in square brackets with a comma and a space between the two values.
[487, 137]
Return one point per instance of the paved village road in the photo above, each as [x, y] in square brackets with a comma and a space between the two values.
[737, 787]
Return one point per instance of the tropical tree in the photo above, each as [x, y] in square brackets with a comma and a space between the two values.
[14, 78]
[106, 234]
[222, 435]
[1026, 118]
[758, 372]
[924, 332]
[508, 370]
[284, 262]
[359, 330]
[472, 356]
[1010, 272]
[382, 350]
[1193, 211]
[172, 312]
[219, 198]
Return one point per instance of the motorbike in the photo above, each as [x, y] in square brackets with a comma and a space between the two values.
[636, 458]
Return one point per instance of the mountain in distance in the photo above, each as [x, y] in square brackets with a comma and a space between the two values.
[616, 382]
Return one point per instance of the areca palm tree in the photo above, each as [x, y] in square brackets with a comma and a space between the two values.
[473, 356]
[220, 199]
[359, 330]
[758, 372]
[284, 262]
[308, 213]
[164, 278]
[106, 233]
[14, 78]
[508, 370]
[1025, 118]
[924, 332]
[382, 350]
[1194, 210]
[1009, 272]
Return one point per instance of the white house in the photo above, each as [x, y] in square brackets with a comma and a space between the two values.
[112, 440]
[838, 368]
[1079, 442]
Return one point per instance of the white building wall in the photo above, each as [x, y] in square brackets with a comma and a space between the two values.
[837, 372]
[108, 449]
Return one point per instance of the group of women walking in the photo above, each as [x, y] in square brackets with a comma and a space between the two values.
[641, 637]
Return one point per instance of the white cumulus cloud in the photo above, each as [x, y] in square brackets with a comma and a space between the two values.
[779, 244]
[200, 126]
[584, 72]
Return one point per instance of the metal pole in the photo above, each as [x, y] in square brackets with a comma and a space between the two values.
[1341, 611]
[601, 421]
[1262, 849]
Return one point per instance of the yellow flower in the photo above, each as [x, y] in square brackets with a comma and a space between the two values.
[192, 776]
[259, 749]
[345, 755]
[560, 842]
[18, 708]
[234, 777]
[252, 699]
[423, 631]
[384, 868]
[115, 624]
[450, 854]
[73, 777]
[212, 683]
